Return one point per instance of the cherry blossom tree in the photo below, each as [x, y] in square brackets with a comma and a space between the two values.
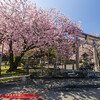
[26, 27]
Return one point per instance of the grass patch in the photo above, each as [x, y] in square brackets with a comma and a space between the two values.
[5, 67]
[14, 73]
[9, 80]
[18, 72]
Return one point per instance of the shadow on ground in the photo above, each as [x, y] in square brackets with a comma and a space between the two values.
[50, 91]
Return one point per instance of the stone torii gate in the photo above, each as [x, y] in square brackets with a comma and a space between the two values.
[93, 43]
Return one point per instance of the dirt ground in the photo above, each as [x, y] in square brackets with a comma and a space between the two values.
[52, 93]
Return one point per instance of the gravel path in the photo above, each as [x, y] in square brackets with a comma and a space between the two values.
[54, 94]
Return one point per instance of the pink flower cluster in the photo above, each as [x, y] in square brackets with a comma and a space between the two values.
[29, 27]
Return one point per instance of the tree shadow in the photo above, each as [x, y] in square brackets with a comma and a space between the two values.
[52, 89]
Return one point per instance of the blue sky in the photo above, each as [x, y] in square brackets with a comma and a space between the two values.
[86, 11]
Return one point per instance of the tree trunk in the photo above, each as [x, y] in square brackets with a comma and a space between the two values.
[13, 64]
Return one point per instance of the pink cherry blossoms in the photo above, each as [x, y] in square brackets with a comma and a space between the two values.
[25, 27]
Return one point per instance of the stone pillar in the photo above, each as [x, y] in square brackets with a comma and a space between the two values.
[96, 62]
